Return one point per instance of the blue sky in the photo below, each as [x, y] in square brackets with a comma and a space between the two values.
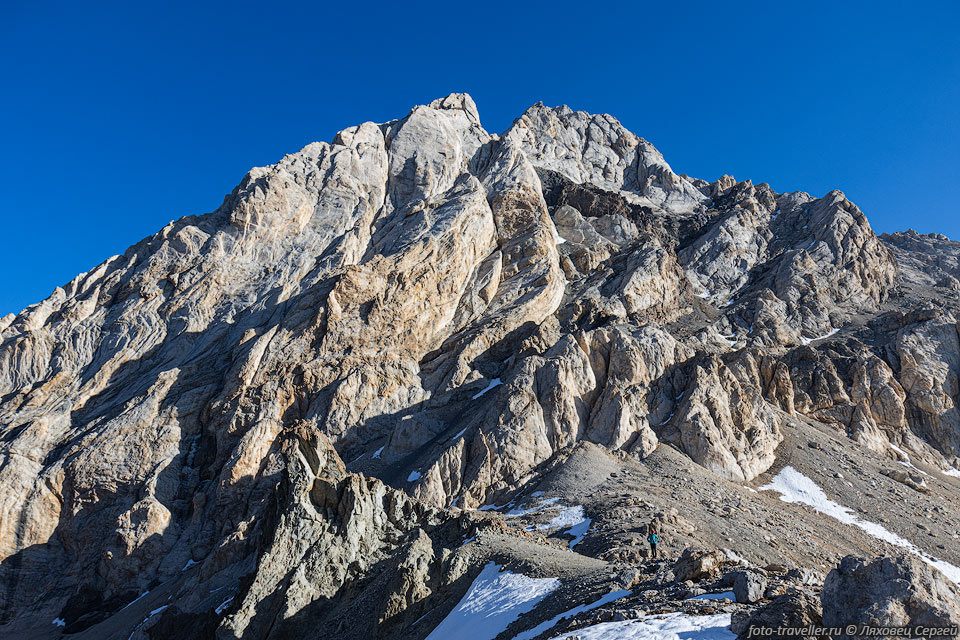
[121, 117]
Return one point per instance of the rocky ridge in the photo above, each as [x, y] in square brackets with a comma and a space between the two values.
[263, 420]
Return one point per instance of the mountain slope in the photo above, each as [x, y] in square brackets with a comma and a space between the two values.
[295, 402]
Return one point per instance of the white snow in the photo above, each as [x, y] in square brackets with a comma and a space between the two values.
[376, 454]
[573, 518]
[906, 462]
[135, 599]
[494, 600]
[795, 487]
[189, 564]
[578, 531]
[462, 431]
[414, 476]
[715, 596]
[900, 451]
[807, 341]
[670, 626]
[157, 610]
[223, 605]
[549, 624]
[952, 472]
[560, 239]
[60, 622]
[492, 384]
[566, 518]
[731, 340]
[547, 504]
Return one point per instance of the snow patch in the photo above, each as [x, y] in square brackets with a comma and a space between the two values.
[223, 606]
[715, 596]
[494, 600]
[376, 454]
[189, 564]
[670, 626]
[461, 432]
[906, 460]
[491, 385]
[157, 610]
[578, 531]
[137, 598]
[573, 518]
[952, 472]
[795, 487]
[807, 341]
[567, 518]
[414, 476]
[60, 622]
[549, 503]
[549, 624]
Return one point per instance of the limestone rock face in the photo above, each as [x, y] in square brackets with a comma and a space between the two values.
[892, 592]
[929, 355]
[281, 412]
[723, 422]
[598, 150]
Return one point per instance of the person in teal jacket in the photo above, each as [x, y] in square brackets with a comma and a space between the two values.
[653, 538]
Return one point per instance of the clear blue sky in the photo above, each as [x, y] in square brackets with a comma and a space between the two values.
[119, 117]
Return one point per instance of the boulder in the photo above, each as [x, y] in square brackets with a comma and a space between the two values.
[793, 609]
[748, 586]
[889, 592]
[697, 563]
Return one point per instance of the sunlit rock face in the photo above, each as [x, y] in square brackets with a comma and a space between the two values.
[273, 401]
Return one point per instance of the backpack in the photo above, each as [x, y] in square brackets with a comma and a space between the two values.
[653, 538]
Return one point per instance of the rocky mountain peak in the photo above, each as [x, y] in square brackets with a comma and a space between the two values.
[391, 359]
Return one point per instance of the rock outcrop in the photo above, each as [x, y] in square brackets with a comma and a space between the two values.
[889, 592]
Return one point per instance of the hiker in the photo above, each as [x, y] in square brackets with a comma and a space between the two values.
[653, 538]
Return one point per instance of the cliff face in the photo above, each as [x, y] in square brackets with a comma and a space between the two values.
[448, 311]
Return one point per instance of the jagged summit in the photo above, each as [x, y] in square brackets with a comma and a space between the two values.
[279, 418]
